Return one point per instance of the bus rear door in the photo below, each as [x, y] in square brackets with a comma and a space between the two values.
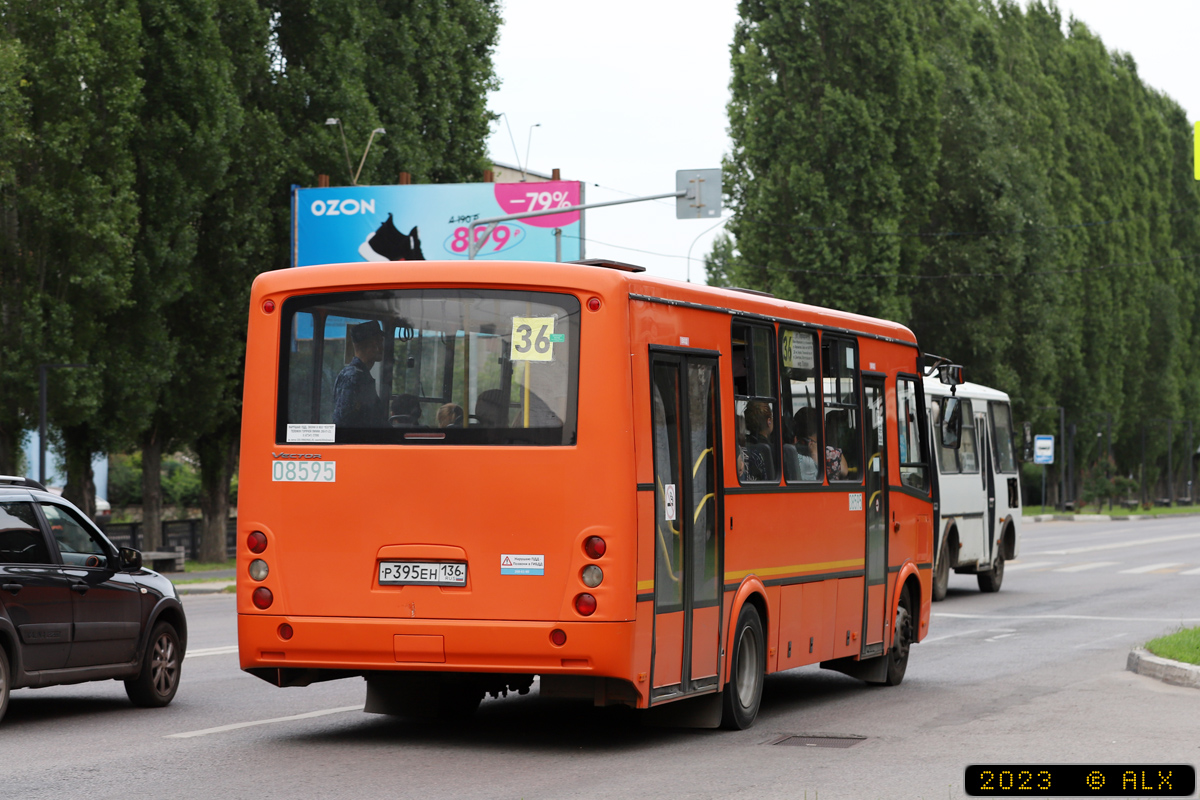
[875, 599]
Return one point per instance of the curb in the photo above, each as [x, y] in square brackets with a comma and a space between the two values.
[208, 587]
[1177, 673]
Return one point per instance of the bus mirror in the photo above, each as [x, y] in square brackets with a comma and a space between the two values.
[951, 423]
[950, 374]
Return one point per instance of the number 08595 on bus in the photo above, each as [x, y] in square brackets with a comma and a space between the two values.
[312, 472]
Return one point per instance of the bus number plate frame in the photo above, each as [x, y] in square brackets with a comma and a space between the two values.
[423, 573]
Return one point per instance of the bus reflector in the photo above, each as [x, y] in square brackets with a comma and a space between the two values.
[558, 636]
[262, 597]
[585, 604]
[257, 542]
[594, 304]
[269, 306]
[594, 546]
[285, 631]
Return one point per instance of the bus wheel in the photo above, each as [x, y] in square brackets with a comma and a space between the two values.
[743, 693]
[904, 636]
[990, 581]
[941, 571]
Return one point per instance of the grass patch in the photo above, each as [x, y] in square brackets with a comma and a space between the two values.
[1183, 645]
[200, 566]
[200, 580]
[230, 589]
[1117, 511]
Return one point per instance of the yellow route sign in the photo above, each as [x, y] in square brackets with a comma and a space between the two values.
[533, 339]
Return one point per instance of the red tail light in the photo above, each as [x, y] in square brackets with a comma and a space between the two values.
[558, 636]
[262, 597]
[594, 546]
[257, 542]
[285, 631]
[585, 604]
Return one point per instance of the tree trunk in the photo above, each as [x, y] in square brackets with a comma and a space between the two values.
[152, 497]
[218, 456]
[80, 488]
[10, 455]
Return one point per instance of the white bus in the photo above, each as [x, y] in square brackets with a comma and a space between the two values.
[977, 524]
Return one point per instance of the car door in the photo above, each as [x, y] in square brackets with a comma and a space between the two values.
[33, 589]
[106, 603]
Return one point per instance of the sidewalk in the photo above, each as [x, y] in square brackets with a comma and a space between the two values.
[209, 582]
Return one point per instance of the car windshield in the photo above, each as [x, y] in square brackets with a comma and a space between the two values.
[429, 366]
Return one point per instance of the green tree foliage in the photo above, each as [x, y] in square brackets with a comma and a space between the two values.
[991, 176]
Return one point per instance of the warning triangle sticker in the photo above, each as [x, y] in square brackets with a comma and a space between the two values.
[507, 562]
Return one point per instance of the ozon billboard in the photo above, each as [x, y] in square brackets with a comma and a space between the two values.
[432, 222]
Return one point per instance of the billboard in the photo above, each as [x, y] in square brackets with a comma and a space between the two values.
[428, 222]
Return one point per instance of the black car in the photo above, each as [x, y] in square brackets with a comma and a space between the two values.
[74, 607]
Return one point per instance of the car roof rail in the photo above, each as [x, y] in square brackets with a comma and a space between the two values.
[21, 480]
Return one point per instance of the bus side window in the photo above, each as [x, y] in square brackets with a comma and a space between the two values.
[968, 459]
[1002, 437]
[756, 404]
[947, 456]
[843, 450]
[913, 469]
[800, 407]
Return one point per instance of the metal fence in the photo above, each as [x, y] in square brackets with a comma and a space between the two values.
[175, 533]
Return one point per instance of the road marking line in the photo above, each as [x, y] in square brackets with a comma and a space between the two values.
[1191, 572]
[1151, 568]
[967, 633]
[1001, 636]
[211, 651]
[235, 726]
[1114, 546]
[1178, 620]
[1090, 565]
[1013, 566]
[1098, 641]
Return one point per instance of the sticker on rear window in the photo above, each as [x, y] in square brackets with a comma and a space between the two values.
[533, 339]
[311, 433]
[511, 564]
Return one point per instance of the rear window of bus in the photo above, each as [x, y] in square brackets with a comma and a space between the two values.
[429, 366]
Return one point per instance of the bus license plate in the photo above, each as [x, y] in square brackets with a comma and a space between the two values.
[433, 573]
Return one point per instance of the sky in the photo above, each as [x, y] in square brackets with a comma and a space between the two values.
[626, 92]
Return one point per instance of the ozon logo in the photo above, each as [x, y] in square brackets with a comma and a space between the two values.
[333, 208]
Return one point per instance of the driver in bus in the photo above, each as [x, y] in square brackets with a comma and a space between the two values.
[355, 401]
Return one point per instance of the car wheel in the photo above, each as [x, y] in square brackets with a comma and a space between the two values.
[941, 571]
[990, 581]
[158, 681]
[743, 693]
[904, 636]
[5, 682]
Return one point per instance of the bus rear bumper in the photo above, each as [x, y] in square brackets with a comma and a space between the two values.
[359, 645]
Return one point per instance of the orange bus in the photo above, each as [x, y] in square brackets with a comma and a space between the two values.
[457, 478]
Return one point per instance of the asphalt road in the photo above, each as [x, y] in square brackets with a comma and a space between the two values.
[1035, 673]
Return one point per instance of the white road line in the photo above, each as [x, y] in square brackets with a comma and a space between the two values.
[212, 651]
[1151, 568]
[1001, 636]
[1176, 620]
[1191, 572]
[1098, 641]
[1115, 545]
[1090, 565]
[964, 633]
[235, 726]
[1013, 566]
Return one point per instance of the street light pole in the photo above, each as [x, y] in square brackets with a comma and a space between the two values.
[42, 421]
[364, 158]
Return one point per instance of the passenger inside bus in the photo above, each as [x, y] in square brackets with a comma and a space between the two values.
[838, 459]
[355, 401]
[450, 415]
[406, 411]
[807, 455]
[491, 410]
[760, 441]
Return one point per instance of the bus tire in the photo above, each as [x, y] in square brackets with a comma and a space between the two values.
[747, 670]
[156, 684]
[902, 640]
[5, 682]
[990, 581]
[941, 571]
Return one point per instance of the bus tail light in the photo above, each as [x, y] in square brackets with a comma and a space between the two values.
[593, 304]
[592, 576]
[263, 598]
[256, 542]
[558, 636]
[258, 569]
[585, 604]
[285, 631]
[269, 306]
[594, 546]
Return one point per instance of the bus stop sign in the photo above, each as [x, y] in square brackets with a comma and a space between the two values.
[1043, 449]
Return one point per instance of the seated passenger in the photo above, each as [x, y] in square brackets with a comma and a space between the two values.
[406, 411]
[450, 416]
[806, 444]
[760, 439]
[835, 459]
[491, 409]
